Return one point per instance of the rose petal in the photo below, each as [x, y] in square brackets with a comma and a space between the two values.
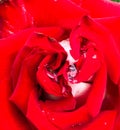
[50, 86]
[37, 115]
[54, 57]
[65, 104]
[8, 49]
[67, 119]
[12, 18]
[26, 80]
[50, 43]
[90, 66]
[51, 12]
[109, 8]
[104, 41]
[16, 67]
[10, 46]
[97, 92]
[113, 25]
[11, 117]
[105, 121]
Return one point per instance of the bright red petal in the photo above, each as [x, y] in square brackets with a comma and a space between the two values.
[104, 121]
[101, 8]
[97, 93]
[37, 115]
[98, 34]
[113, 25]
[10, 117]
[51, 12]
[10, 46]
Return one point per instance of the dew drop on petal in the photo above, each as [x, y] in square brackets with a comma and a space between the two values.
[52, 119]
[51, 74]
[72, 71]
[75, 125]
[43, 111]
[94, 56]
[105, 123]
[63, 89]
[85, 55]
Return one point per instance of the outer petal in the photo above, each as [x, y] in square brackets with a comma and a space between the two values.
[8, 49]
[51, 12]
[10, 117]
[105, 121]
[12, 18]
[101, 8]
[26, 81]
[113, 25]
[37, 115]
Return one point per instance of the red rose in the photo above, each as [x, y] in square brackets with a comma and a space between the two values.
[43, 87]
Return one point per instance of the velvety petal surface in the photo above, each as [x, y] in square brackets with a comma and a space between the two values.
[103, 40]
[10, 116]
[101, 8]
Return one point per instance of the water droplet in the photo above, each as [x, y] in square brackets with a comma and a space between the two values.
[55, 0]
[51, 39]
[52, 118]
[43, 111]
[85, 55]
[40, 35]
[72, 71]
[75, 81]
[51, 74]
[94, 56]
[63, 89]
[105, 123]
[75, 125]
